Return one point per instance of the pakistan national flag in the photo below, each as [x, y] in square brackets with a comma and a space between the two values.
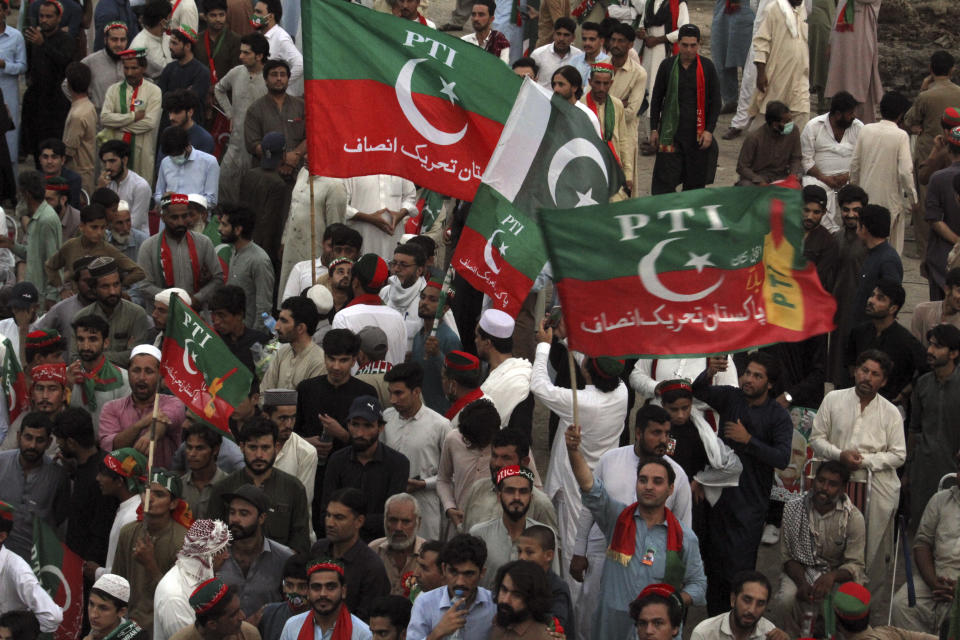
[389, 95]
[200, 369]
[60, 572]
[548, 157]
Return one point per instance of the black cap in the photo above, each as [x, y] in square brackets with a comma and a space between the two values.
[253, 495]
[24, 295]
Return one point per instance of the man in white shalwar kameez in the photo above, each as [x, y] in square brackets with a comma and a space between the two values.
[508, 383]
[782, 59]
[863, 430]
[602, 407]
[376, 207]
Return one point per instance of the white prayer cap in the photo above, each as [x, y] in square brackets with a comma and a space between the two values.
[146, 349]
[164, 296]
[114, 585]
[321, 297]
[407, 237]
[196, 198]
[497, 323]
[123, 205]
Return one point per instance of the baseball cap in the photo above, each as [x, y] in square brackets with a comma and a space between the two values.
[366, 407]
[24, 295]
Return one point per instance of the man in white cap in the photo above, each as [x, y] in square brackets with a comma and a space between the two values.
[508, 383]
[161, 306]
[323, 298]
[206, 546]
[107, 610]
[126, 422]
[201, 222]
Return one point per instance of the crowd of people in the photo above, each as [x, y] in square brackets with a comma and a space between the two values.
[378, 480]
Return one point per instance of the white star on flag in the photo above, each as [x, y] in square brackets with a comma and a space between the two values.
[448, 90]
[699, 261]
[584, 199]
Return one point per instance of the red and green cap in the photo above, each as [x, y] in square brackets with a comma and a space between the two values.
[168, 480]
[607, 367]
[6, 511]
[187, 33]
[851, 601]
[43, 338]
[116, 24]
[601, 67]
[954, 136]
[207, 595]
[325, 564]
[132, 54]
[461, 361]
[130, 464]
[57, 183]
[677, 384]
[950, 118]
[372, 271]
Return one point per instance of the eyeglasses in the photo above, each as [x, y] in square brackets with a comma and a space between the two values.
[402, 265]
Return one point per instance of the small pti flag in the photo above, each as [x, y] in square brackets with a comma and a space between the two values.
[60, 572]
[549, 156]
[411, 102]
[684, 274]
[14, 381]
[200, 369]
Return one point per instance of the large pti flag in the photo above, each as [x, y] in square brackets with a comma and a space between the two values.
[200, 369]
[14, 381]
[691, 273]
[549, 156]
[388, 95]
[60, 572]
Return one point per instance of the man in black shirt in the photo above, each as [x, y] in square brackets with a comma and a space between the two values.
[323, 403]
[368, 465]
[227, 307]
[882, 332]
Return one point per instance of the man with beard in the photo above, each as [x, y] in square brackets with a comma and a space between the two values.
[298, 357]
[120, 231]
[131, 114]
[760, 432]
[819, 246]
[882, 261]
[129, 324]
[851, 200]
[90, 512]
[882, 332]
[296, 456]
[105, 65]
[827, 144]
[57, 194]
[201, 453]
[205, 549]
[49, 51]
[429, 570]
[615, 469]
[289, 522]
[523, 603]
[839, 434]
[610, 114]
[250, 266]
[748, 603]
[94, 379]
[32, 483]
[180, 107]
[822, 546]
[44, 235]
[280, 111]
[510, 447]
[514, 489]
[48, 388]
[770, 152]
[368, 464]
[933, 406]
[484, 36]
[179, 257]
[294, 588]
[402, 291]
[185, 72]
[256, 560]
[126, 422]
[266, 17]
[219, 615]
[417, 432]
[329, 615]
[400, 548]
[431, 350]
[927, 315]
[127, 186]
[161, 309]
[341, 274]
[344, 519]
[61, 315]
[219, 46]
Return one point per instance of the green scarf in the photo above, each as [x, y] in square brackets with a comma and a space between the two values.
[126, 630]
[129, 138]
[105, 377]
[671, 107]
[845, 17]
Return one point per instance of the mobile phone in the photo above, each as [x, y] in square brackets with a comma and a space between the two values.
[671, 446]
[554, 317]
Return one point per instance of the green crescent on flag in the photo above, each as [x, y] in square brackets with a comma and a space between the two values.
[389, 95]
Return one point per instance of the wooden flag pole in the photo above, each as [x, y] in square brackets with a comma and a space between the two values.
[313, 232]
[573, 384]
[153, 443]
[446, 291]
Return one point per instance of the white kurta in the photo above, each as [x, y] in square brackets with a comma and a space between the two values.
[617, 469]
[171, 604]
[644, 379]
[507, 386]
[299, 458]
[748, 81]
[158, 51]
[819, 148]
[653, 57]
[116, 123]
[420, 438]
[601, 414]
[369, 194]
[358, 316]
[330, 202]
[282, 48]
[883, 166]
[20, 589]
[781, 44]
[877, 433]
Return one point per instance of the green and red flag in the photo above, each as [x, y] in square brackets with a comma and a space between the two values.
[60, 572]
[104, 377]
[14, 381]
[691, 273]
[549, 156]
[388, 95]
[200, 369]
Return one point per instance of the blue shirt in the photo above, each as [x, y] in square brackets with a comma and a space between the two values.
[13, 51]
[199, 174]
[579, 62]
[200, 139]
[291, 630]
[433, 395]
[429, 607]
[108, 11]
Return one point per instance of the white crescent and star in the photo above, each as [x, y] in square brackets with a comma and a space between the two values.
[570, 151]
[58, 573]
[650, 279]
[188, 357]
[488, 252]
[412, 113]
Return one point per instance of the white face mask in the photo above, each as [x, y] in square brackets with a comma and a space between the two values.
[787, 129]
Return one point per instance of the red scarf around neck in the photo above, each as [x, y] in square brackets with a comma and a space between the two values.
[456, 407]
[166, 260]
[674, 12]
[623, 544]
[366, 298]
[342, 628]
